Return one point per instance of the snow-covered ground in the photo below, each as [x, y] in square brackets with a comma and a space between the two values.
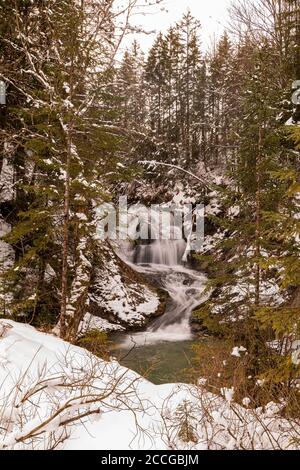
[54, 395]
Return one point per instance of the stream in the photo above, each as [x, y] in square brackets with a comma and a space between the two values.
[163, 352]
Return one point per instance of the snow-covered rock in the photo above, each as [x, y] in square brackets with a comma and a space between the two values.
[121, 296]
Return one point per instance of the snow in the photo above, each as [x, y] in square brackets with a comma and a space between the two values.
[66, 87]
[246, 401]
[296, 357]
[213, 208]
[122, 306]
[243, 290]
[236, 352]
[234, 211]
[7, 178]
[228, 393]
[91, 322]
[81, 216]
[49, 360]
[270, 291]
[260, 383]
[47, 384]
[125, 300]
[181, 197]
[211, 242]
[4, 228]
[130, 303]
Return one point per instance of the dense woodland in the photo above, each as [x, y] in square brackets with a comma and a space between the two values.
[81, 117]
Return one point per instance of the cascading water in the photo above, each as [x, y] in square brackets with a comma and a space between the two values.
[162, 252]
[162, 260]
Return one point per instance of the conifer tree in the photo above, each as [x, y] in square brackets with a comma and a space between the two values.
[131, 89]
[61, 102]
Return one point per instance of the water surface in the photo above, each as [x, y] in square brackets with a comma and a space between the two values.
[163, 352]
[160, 363]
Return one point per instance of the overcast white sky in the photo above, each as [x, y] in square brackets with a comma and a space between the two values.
[211, 13]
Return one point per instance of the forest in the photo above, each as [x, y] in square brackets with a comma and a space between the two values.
[146, 342]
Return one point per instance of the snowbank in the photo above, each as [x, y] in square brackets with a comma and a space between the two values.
[53, 375]
[55, 395]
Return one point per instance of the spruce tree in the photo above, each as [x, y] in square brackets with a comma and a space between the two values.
[63, 150]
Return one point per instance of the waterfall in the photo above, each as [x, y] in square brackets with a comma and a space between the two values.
[162, 260]
[161, 252]
[185, 288]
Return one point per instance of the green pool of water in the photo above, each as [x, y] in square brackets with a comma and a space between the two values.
[160, 363]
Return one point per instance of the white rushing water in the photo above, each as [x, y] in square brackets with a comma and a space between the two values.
[161, 252]
[162, 260]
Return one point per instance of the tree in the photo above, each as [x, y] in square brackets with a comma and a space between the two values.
[60, 118]
[188, 30]
[257, 251]
[131, 89]
[175, 74]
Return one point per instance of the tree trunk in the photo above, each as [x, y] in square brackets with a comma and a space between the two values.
[258, 220]
[64, 273]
